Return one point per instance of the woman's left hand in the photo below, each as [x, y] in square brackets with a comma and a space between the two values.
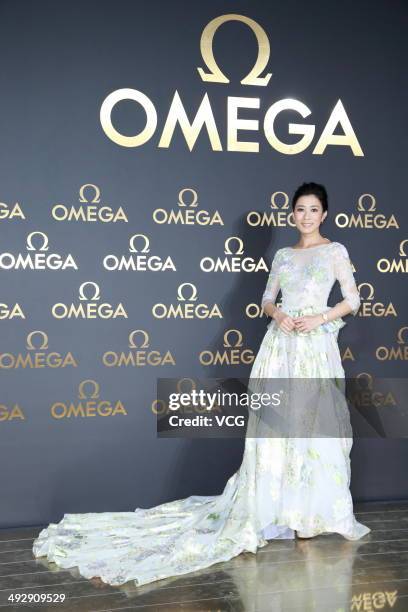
[307, 322]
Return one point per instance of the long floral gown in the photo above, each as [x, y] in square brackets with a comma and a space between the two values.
[282, 485]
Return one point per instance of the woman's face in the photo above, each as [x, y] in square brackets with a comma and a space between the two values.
[308, 214]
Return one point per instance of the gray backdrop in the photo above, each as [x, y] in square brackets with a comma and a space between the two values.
[59, 61]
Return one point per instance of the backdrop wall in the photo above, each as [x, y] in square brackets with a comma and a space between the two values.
[109, 130]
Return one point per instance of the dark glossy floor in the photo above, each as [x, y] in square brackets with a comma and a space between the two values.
[323, 573]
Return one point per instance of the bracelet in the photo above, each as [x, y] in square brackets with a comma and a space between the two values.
[325, 317]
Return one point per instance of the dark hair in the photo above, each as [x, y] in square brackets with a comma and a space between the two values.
[311, 189]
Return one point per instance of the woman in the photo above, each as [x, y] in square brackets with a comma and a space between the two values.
[284, 484]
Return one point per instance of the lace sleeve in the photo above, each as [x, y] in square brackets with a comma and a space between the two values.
[344, 274]
[272, 285]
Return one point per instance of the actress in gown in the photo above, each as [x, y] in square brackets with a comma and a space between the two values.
[285, 487]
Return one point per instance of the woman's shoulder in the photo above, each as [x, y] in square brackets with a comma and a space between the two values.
[280, 252]
[340, 249]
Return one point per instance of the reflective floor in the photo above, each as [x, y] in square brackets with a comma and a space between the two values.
[323, 573]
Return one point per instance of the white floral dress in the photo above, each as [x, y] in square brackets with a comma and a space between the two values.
[282, 485]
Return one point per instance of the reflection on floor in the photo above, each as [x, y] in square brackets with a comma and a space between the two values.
[323, 573]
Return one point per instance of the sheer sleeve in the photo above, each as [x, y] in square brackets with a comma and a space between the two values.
[344, 274]
[272, 285]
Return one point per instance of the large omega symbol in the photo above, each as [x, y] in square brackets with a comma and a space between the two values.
[216, 75]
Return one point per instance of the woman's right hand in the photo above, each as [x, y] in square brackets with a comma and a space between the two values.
[284, 321]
